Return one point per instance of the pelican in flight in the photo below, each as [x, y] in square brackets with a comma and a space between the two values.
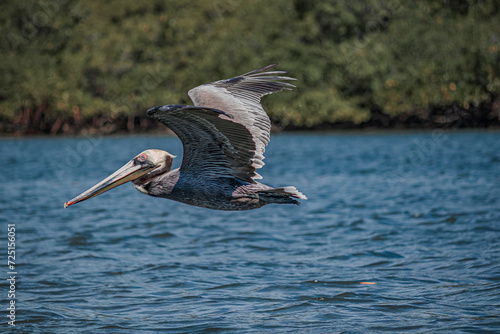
[224, 136]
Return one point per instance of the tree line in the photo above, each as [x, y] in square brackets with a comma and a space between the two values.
[70, 65]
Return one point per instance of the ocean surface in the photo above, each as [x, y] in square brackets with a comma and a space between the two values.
[401, 233]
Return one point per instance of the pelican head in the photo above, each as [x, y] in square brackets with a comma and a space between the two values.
[142, 168]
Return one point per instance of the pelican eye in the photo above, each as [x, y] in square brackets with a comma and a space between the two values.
[142, 158]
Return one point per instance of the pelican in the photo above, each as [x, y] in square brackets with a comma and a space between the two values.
[224, 136]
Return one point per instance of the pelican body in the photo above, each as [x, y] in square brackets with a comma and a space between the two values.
[224, 136]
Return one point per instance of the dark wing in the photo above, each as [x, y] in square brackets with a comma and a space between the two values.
[225, 134]
[214, 144]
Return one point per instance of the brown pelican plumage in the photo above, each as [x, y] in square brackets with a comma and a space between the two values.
[224, 136]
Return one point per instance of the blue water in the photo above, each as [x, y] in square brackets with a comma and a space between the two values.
[417, 215]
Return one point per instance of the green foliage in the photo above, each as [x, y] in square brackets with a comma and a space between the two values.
[84, 59]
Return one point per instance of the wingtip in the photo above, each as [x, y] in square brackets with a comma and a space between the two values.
[260, 70]
[270, 66]
[265, 74]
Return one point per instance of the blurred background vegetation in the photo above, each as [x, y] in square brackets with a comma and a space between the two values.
[70, 65]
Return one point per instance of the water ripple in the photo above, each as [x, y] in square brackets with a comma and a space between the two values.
[383, 244]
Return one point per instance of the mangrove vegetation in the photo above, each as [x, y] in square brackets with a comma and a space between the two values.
[70, 66]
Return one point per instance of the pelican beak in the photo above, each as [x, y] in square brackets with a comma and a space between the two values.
[131, 171]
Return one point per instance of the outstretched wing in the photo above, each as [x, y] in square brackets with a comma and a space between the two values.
[225, 134]
[214, 145]
[240, 98]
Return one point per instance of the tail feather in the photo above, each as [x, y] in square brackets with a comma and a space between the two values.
[284, 195]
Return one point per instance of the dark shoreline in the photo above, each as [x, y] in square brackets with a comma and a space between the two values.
[32, 123]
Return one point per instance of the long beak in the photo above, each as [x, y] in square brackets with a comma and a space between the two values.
[129, 172]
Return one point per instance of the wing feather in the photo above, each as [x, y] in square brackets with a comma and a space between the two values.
[214, 145]
[240, 98]
[225, 133]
